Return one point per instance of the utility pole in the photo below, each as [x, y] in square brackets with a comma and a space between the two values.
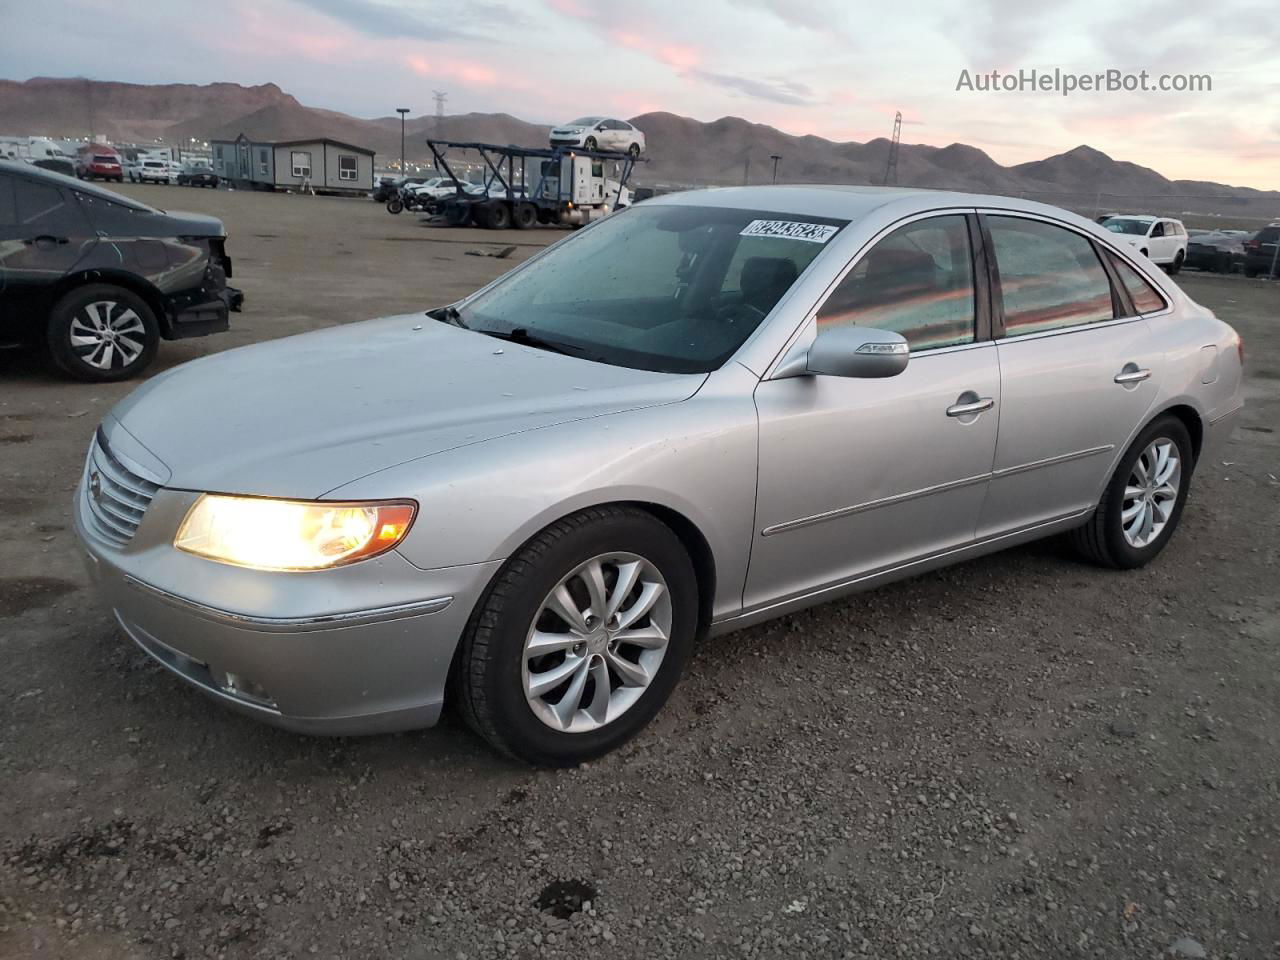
[402, 111]
[891, 165]
[88, 96]
[775, 157]
[440, 97]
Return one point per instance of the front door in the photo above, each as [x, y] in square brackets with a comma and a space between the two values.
[1077, 380]
[858, 476]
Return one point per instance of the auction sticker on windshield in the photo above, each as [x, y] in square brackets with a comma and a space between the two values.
[790, 230]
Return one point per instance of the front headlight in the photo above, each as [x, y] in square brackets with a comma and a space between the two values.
[291, 534]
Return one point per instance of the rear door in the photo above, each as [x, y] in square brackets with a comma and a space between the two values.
[1078, 372]
[43, 235]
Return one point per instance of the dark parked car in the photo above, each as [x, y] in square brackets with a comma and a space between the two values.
[99, 279]
[1260, 252]
[1215, 251]
[388, 187]
[64, 165]
[197, 175]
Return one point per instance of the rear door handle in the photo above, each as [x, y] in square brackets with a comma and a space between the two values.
[1131, 374]
[970, 407]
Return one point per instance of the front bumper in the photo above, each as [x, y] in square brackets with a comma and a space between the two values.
[355, 650]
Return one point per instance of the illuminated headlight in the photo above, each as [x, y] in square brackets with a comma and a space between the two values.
[291, 534]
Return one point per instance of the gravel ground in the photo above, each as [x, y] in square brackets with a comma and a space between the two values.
[1022, 756]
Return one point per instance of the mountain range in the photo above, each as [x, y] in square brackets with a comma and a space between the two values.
[682, 151]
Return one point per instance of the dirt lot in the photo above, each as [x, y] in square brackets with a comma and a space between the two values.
[1019, 757]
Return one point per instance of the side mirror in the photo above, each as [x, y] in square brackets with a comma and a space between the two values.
[862, 352]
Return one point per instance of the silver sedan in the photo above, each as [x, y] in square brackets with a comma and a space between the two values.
[699, 413]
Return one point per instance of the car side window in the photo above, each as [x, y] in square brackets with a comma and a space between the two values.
[108, 217]
[1050, 277]
[1143, 294]
[917, 281]
[38, 205]
[1157, 230]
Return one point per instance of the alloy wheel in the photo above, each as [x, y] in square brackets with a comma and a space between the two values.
[1151, 492]
[108, 335]
[596, 642]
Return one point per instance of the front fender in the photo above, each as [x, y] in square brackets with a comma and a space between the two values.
[696, 457]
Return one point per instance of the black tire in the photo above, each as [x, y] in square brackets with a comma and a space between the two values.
[525, 216]
[1177, 264]
[487, 683]
[395, 205]
[634, 150]
[497, 215]
[590, 143]
[72, 359]
[1102, 539]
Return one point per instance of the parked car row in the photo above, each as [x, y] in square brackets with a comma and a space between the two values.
[152, 170]
[1167, 242]
[100, 307]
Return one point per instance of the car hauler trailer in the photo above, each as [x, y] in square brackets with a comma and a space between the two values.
[570, 186]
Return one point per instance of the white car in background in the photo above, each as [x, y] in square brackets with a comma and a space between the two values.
[1161, 239]
[150, 171]
[435, 188]
[599, 133]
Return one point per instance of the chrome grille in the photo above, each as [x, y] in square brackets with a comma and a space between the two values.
[117, 497]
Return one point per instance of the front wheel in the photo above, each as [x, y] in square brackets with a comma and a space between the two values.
[1143, 501]
[580, 639]
[395, 205]
[102, 333]
[589, 143]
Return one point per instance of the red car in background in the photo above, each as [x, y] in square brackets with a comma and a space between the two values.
[95, 161]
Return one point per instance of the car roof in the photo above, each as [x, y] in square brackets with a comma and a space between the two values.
[62, 180]
[850, 202]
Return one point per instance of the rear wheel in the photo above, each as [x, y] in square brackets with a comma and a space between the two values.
[100, 333]
[497, 215]
[634, 150]
[1177, 263]
[525, 216]
[580, 639]
[1143, 501]
[395, 205]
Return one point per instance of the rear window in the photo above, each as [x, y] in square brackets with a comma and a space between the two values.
[103, 158]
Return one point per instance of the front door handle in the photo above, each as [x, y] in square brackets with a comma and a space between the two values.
[967, 408]
[1132, 374]
[45, 240]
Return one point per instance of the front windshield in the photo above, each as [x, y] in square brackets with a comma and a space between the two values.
[585, 122]
[1128, 225]
[674, 289]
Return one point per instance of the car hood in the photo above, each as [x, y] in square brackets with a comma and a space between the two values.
[300, 416]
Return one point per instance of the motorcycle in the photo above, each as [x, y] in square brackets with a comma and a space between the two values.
[406, 199]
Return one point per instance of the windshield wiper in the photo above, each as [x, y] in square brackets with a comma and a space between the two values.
[522, 335]
[449, 315]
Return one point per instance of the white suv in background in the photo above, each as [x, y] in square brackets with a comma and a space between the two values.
[150, 171]
[599, 133]
[1162, 239]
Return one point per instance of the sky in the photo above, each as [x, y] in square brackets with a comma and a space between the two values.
[827, 67]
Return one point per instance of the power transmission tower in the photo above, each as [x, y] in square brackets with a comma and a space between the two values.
[440, 97]
[891, 164]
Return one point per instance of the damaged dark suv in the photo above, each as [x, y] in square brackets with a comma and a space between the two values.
[99, 279]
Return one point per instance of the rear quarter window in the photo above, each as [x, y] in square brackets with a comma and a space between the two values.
[1145, 297]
